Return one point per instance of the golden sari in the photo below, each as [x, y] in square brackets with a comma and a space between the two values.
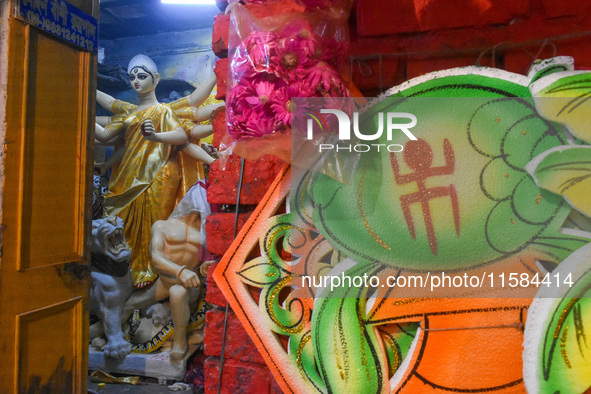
[148, 182]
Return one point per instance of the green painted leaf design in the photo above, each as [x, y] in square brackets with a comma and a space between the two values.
[302, 349]
[259, 272]
[347, 350]
[558, 328]
[566, 171]
[564, 97]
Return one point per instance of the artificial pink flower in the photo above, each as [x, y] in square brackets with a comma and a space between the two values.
[237, 115]
[302, 89]
[294, 50]
[237, 97]
[243, 116]
[262, 39]
[299, 34]
[322, 75]
[263, 94]
[260, 46]
[289, 63]
[241, 68]
[269, 69]
[257, 126]
[281, 105]
[338, 88]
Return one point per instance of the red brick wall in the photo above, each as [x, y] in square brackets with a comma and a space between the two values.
[244, 369]
[419, 36]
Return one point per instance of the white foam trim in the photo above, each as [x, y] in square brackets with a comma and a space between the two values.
[548, 80]
[371, 301]
[457, 71]
[401, 373]
[575, 232]
[567, 61]
[532, 338]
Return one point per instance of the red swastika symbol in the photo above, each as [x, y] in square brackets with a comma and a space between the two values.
[418, 156]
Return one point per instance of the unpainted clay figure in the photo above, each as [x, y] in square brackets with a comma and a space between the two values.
[177, 244]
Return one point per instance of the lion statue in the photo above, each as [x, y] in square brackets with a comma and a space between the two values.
[110, 284]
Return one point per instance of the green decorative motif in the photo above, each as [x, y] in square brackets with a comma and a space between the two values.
[346, 349]
[566, 171]
[457, 198]
[557, 346]
[563, 97]
[460, 196]
[566, 350]
[558, 335]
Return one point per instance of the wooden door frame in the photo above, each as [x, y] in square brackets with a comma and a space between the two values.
[89, 63]
[5, 14]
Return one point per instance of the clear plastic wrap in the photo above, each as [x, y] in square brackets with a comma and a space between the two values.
[337, 5]
[273, 59]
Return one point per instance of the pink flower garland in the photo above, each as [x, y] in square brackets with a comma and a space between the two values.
[269, 68]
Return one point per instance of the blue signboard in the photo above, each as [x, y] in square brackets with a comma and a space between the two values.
[61, 19]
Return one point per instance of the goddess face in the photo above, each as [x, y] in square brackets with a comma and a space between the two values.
[142, 81]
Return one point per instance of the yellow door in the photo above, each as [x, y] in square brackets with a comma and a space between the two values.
[47, 107]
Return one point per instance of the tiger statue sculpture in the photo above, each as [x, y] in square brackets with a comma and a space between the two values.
[110, 284]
